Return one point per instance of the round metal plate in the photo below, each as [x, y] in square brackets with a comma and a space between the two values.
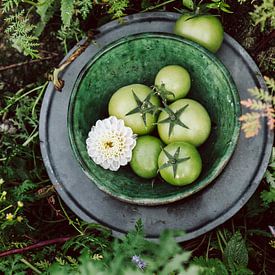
[195, 215]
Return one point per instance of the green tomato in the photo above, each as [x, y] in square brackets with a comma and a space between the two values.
[205, 30]
[188, 121]
[175, 79]
[179, 163]
[145, 155]
[127, 99]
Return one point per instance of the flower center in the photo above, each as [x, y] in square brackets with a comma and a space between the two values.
[108, 144]
[112, 145]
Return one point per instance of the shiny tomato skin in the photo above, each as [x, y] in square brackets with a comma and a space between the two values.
[145, 155]
[123, 101]
[187, 171]
[205, 30]
[195, 117]
[176, 80]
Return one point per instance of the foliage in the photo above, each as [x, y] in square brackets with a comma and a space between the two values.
[117, 7]
[24, 36]
[268, 196]
[235, 252]
[23, 29]
[210, 266]
[264, 13]
[260, 107]
[20, 33]
[13, 265]
[30, 210]
[133, 255]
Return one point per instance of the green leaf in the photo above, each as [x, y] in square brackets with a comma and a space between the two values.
[20, 33]
[235, 253]
[263, 14]
[268, 196]
[270, 178]
[189, 4]
[67, 10]
[46, 10]
[8, 5]
[210, 266]
[85, 6]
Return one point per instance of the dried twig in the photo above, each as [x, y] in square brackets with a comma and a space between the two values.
[13, 66]
[34, 246]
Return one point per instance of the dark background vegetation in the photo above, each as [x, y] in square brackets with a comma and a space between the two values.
[44, 215]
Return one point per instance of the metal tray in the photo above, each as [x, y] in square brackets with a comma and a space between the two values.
[195, 215]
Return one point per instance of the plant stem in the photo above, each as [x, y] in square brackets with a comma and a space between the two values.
[208, 245]
[20, 97]
[38, 98]
[30, 2]
[222, 237]
[158, 6]
[31, 137]
[219, 241]
[4, 209]
[30, 266]
[68, 218]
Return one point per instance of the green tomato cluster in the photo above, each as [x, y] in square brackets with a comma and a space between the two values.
[181, 123]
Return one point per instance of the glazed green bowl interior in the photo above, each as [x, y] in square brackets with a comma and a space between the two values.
[137, 59]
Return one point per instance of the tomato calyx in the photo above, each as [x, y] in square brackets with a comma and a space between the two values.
[162, 92]
[173, 160]
[143, 107]
[173, 118]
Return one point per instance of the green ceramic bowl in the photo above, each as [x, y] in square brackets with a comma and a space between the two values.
[137, 59]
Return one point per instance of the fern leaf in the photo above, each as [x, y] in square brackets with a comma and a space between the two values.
[270, 178]
[260, 94]
[210, 266]
[253, 104]
[263, 13]
[270, 114]
[20, 33]
[117, 7]
[8, 5]
[22, 192]
[250, 124]
[270, 83]
[272, 160]
[268, 196]
[67, 10]
[43, 264]
[85, 7]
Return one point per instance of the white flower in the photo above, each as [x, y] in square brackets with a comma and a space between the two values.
[110, 143]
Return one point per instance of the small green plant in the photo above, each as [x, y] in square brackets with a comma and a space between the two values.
[268, 196]
[23, 30]
[21, 34]
[264, 14]
[133, 255]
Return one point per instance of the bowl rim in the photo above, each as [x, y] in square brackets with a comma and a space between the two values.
[224, 159]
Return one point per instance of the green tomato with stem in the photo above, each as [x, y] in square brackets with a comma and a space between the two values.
[179, 163]
[184, 120]
[136, 105]
[175, 79]
[205, 30]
